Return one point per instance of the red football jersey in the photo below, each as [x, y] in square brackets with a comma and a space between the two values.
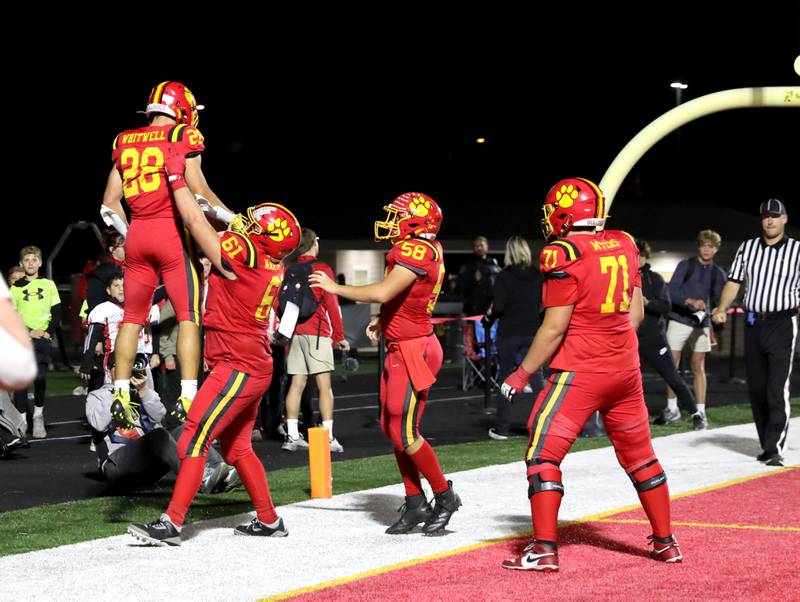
[408, 315]
[596, 273]
[139, 158]
[237, 310]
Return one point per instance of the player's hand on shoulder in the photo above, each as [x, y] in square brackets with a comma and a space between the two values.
[319, 279]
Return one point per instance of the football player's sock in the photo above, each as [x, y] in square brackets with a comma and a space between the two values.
[291, 428]
[428, 464]
[38, 410]
[672, 404]
[254, 478]
[166, 517]
[122, 385]
[655, 501]
[188, 388]
[408, 469]
[544, 509]
[328, 424]
[186, 486]
[701, 407]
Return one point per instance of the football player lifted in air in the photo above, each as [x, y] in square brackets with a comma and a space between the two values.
[242, 289]
[592, 292]
[156, 240]
[407, 294]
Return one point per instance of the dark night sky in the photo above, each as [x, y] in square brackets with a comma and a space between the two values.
[336, 120]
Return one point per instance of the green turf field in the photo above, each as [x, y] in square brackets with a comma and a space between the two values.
[71, 522]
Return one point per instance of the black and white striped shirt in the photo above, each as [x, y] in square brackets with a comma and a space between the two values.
[771, 274]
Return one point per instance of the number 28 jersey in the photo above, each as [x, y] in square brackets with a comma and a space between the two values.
[139, 158]
[408, 315]
[596, 274]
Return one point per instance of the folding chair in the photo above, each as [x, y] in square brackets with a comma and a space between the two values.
[473, 366]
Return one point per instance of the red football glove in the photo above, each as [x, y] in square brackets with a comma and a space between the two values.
[515, 383]
[175, 166]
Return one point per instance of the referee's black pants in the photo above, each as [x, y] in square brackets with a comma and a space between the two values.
[655, 351]
[768, 353]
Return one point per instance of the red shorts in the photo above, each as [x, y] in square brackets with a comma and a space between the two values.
[160, 246]
[567, 402]
[401, 405]
[225, 407]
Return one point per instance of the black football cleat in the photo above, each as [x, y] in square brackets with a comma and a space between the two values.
[445, 504]
[416, 510]
[161, 532]
[258, 529]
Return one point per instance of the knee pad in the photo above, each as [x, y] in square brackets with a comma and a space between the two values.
[648, 477]
[546, 479]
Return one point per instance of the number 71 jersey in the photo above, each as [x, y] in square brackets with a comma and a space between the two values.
[596, 274]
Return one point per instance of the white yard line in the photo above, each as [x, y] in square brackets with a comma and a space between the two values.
[335, 538]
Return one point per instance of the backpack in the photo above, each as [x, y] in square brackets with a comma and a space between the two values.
[296, 289]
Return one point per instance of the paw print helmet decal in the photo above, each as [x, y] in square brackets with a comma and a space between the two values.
[272, 227]
[571, 203]
[410, 214]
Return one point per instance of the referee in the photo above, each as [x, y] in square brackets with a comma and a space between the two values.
[770, 268]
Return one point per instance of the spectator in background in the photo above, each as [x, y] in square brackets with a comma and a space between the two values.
[517, 304]
[15, 273]
[39, 305]
[476, 278]
[653, 346]
[111, 265]
[168, 351]
[104, 322]
[311, 351]
[695, 288]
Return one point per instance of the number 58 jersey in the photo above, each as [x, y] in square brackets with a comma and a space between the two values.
[408, 315]
[596, 274]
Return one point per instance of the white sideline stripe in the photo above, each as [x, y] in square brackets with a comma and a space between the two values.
[342, 536]
[65, 422]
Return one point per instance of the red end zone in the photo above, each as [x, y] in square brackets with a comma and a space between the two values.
[738, 542]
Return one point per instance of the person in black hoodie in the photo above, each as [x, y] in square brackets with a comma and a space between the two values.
[517, 304]
[653, 347]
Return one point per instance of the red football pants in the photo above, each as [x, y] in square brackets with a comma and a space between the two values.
[160, 246]
[225, 407]
[401, 405]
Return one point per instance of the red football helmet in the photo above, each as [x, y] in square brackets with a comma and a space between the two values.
[574, 202]
[174, 100]
[410, 214]
[272, 227]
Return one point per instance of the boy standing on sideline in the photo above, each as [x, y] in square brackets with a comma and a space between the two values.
[38, 304]
[695, 288]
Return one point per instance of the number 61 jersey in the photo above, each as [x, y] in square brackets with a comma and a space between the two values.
[237, 310]
[596, 273]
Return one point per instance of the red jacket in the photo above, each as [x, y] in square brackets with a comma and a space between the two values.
[327, 320]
